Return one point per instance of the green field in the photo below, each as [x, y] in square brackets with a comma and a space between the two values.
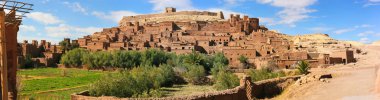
[55, 83]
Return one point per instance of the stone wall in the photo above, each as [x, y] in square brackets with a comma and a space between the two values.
[258, 90]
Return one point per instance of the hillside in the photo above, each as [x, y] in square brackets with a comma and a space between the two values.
[377, 43]
[355, 43]
[319, 42]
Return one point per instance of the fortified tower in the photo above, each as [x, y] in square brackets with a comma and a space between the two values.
[170, 10]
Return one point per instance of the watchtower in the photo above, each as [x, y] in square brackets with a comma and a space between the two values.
[170, 10]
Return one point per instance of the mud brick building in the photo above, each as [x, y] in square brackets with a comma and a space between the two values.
[206, 32]
[42, 54]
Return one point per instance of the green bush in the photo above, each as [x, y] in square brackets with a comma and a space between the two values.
[74, 57]
[303, 67]
[143, 81]
[262, 74]
[243, 59]
[195, 74]
[154, 57]
[28, 62]
[226, 80]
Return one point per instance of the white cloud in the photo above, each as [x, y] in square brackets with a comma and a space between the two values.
[45, 18]
[63, 30]
[267, 21]
[374, 0]
[293, 11]
[233, 2]
[341, 31]
[114, 16]
[159, 5]
[320, 29]
[377, 34]
[366, 33]
[264, 1]
[27, 28]
[45, 1]
[363, 26]
[38, 38]
[76, 7]
[365, 40]
[371, 3]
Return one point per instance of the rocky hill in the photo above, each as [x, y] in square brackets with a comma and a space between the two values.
[321, 43]
[355, 43]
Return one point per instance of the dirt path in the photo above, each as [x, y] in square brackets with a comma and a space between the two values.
[349, 82]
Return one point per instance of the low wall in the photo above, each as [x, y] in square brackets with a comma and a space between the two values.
[246, 91]
[272, 87]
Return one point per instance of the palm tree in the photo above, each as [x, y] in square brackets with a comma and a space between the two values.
[303, 67]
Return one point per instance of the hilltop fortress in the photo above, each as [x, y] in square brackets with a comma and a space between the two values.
[209, 33]
[170, 14]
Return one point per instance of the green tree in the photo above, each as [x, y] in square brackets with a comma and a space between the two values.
[28, 62]
[244, 60]
[74, 57]
[193, 58]
[303, 67]
[226, 80]
[65, 46]
[195, 74]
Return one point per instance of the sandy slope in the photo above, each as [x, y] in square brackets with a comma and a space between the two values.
[349, 82]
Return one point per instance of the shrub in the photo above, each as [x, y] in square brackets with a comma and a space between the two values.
[74, 57]
[226, 80]
[154, 57]
[195, 74]
[28, 62]
[143, 81]
[217, 68]
[244, 60]
[193, 58]
[262, 74]
[208, 62]
[303, 67]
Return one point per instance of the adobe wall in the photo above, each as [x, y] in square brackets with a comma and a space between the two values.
[259, 90]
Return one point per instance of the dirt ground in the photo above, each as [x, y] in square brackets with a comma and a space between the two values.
[350, 82]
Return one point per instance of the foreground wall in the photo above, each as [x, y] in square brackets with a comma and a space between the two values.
[246, 91]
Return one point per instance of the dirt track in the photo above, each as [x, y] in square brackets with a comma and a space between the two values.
[349, 82]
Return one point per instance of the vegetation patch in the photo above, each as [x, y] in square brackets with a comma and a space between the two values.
[40, 82]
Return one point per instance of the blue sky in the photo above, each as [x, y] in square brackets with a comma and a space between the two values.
[357, 20]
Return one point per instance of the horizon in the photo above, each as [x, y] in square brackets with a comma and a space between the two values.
[340, 21]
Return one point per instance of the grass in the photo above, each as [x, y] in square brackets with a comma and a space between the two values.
[188, 89]
[54, 82]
